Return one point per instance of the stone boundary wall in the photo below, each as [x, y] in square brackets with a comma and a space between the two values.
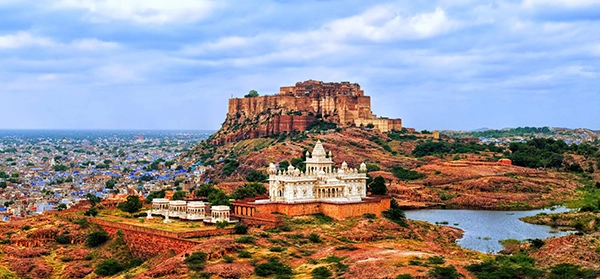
[147, 242]
[337, 210]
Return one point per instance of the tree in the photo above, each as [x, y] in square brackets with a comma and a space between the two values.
[256, 176]
[283, 165]
[249, 190]
[132, 205]
[109, 267]
[61, 207]
[378, 186]
[251, 94]
[218, 197]
[96, 239]
[179, 195]
[3, 184]
[196, 261]
[93, 199]
[110, 184]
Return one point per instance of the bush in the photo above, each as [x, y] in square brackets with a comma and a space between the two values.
[132, 205]
[196, 261]
[108, 267]
[244, 254]
[565, 270]
[249, 190]
[378, 187]
[405, 174]
[62, 239]
[369, 215]
[321, 272]
[315, 238]
[273, 267]
[228, 259]
[93, 211]
[277, 249]
[448, 272]
[436, 260]
[405, 276]
[245, 239]
[96, 239]
[395, 214]
[256, 176]
[241, 228]
[230, 167]
[221, 224]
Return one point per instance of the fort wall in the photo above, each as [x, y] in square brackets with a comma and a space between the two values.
[341, 210]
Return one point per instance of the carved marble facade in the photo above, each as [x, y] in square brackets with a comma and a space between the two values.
[320, 182]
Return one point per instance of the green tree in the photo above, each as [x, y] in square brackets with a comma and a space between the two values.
[132, 205]
[196, 261]
[218, 197]
[3, 184]
[378, 186]
[109, 267]
[283, 165]
[61, 207]
[249, 190]
[96, 239]
[251, 94]
[256, 176]
[179, 195]
[110, 184]
[94, 200]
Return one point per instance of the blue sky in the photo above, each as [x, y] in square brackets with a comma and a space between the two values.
[155, 64]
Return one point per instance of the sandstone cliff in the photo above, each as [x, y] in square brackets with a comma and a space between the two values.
[296, 108]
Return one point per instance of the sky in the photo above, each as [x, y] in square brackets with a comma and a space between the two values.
[155, 64]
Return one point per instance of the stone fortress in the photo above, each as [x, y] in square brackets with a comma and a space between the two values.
[295, 108]
[320, 182]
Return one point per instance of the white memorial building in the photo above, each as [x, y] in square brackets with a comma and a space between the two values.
[320, 182]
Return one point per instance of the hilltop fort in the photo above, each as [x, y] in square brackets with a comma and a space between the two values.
[297, 108]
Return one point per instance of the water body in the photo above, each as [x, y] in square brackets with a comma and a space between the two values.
[484, 228]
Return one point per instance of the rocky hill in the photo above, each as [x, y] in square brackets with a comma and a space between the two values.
[299, 108]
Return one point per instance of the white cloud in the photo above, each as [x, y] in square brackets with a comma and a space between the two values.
[226, 43]
[146, 11]
[93, 44]
[562, 3]
[383, 23]
[24, 39]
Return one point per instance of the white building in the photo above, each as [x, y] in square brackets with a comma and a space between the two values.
[320, 182]
[193, 210]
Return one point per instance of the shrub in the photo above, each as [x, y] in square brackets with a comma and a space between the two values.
[322, 218]
[321, 272]
[406, 174]
[256, 176]
[241, 228]
[448, 272]
[62, 239]
[315, 238]
[436, 260]
[405, 276]
[93, 211]
[566, 270]
[273, 267]
[245, 239]
[108, 267]
[196, 261]
[244, 254]
[96, 239]
[378, 186]
[395, 214]
[370, 215]
[228, 259]
[221, 224]
[277, 249]
[132, 205]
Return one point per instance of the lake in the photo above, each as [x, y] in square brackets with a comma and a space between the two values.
[484, 228]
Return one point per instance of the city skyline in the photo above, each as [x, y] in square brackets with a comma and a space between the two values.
[438, 65]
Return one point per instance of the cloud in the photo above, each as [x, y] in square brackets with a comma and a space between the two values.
[146, 11]
[380, 24]
[563, 3]
[24, 39]
[94, 44]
